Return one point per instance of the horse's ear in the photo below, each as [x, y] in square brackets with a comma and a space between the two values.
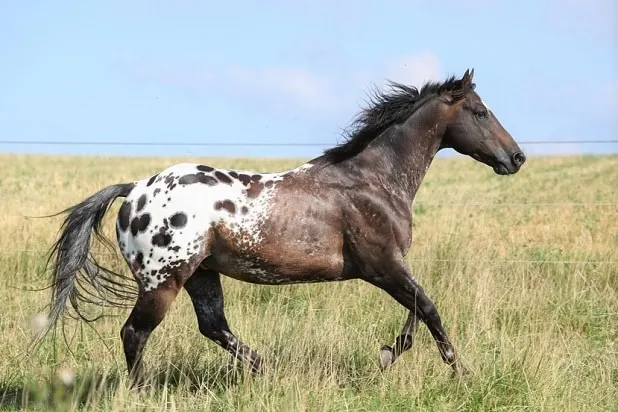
[466, 80]
[462, 89]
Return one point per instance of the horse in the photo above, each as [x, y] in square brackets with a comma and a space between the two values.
[343, 215]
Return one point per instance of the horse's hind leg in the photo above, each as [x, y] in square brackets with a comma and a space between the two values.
[149, 311]
[389, 354]
[204, 288]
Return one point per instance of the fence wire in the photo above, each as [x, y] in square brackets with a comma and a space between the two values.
[228, 144]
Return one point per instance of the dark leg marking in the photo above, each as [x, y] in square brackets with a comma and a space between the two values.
[204, 288]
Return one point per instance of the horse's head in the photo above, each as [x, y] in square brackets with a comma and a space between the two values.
[475, 131]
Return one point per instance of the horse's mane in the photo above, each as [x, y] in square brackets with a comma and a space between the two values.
[393, 106]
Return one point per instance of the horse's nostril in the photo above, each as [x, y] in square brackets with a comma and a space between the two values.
[519, 158]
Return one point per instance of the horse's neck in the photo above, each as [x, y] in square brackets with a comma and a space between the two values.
[403, 154]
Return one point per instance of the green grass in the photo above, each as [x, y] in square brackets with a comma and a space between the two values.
[538, 336]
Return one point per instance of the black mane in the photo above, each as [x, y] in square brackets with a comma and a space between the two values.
[393, 106]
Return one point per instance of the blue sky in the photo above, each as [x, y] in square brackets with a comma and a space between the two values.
[279, 71]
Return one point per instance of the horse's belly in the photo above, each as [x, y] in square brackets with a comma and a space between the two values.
[261, 270]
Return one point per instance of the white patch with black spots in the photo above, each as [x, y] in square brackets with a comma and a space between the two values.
[169, 215]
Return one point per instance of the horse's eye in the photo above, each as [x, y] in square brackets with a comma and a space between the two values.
[480, 113]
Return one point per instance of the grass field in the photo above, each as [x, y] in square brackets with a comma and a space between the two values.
[526, 291]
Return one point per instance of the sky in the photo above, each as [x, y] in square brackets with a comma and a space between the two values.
[190, 72]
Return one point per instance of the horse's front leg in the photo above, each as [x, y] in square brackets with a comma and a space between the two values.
[392, 277]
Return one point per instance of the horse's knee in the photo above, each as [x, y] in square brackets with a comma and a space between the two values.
[429, 312]
[213, 332]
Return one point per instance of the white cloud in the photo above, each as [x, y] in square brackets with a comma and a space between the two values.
[260, 86]
[299, 85]
[328, 92]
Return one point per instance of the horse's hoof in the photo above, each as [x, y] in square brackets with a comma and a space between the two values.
[460, 371]
[387, 357]
[138, 384]
[256, 367]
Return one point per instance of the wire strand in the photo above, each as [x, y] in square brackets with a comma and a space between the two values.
[282, 144]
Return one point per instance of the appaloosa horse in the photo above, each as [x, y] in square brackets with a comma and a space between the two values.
[343, 215]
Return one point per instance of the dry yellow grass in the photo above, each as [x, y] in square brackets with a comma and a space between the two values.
[538, 336]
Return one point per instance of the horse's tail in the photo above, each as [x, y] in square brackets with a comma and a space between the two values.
[76, 275]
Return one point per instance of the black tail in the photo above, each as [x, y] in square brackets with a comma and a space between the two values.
[76, 276]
